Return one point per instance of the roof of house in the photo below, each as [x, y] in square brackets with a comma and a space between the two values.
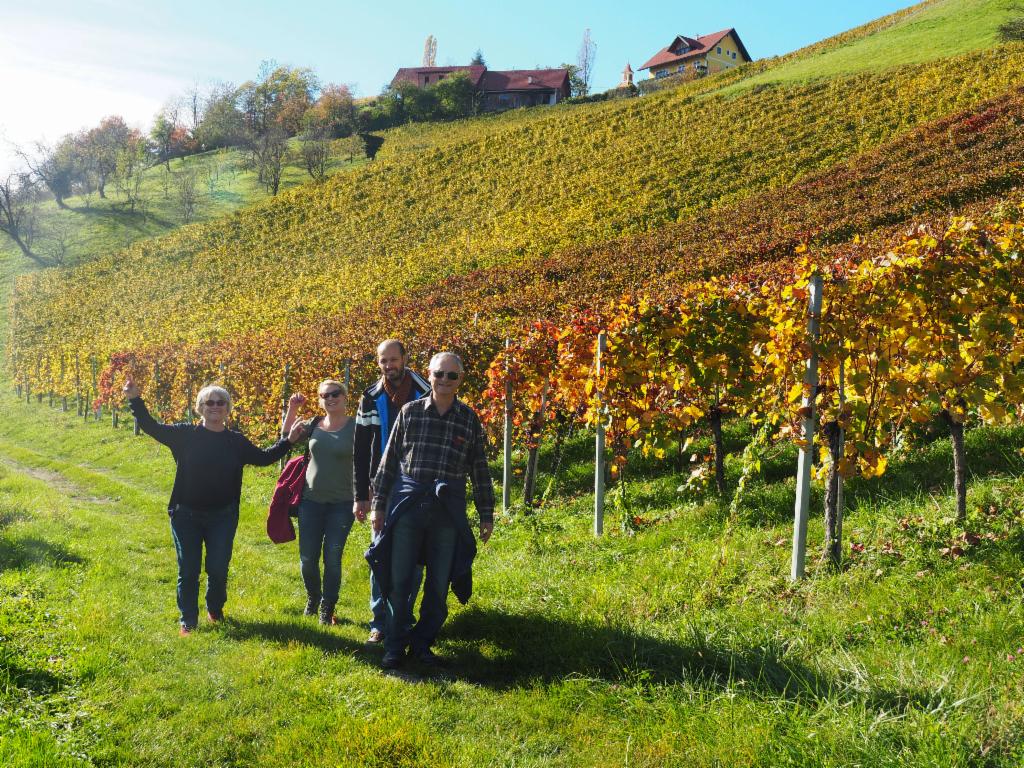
[413, 74]
[525, 80]
[683, 48]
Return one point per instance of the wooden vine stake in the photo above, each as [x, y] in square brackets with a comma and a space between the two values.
[506, 472]
[599, 459]
[806, 458]
[286, 392]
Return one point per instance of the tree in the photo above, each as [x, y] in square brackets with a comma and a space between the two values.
[57, 167]
[279, 96]
[17, 216]
[585, 62]
[478, 59]
[186, 194]
[576, 85]
[193, 104]
[166, 134]
[455, 96]
[354, 145]
[316, 153]
[267, 153]
[333, 114]
[100, 146]
[132, 160]
[222, 123]
[417, 104]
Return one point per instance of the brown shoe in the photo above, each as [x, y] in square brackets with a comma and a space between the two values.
[376, 637]
[327, 617]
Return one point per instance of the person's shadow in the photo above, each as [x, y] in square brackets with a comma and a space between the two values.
[504, 651]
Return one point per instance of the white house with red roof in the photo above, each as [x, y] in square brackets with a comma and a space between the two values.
[499, 90]
[706, 54]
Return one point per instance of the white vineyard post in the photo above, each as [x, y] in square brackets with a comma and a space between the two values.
[602, 342]
[506, 472]
[806, 458]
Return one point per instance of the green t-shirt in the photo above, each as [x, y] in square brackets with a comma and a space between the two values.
[329, 474]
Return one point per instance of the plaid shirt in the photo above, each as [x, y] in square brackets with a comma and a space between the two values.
[427, 446]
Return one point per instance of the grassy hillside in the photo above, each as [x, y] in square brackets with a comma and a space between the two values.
[95, 226]
[678, 643]
[926, 32]
[502, 199]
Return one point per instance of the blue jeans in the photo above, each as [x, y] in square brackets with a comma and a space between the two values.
[378, 605]
[427, 530]
[323, 527]
[191, 529]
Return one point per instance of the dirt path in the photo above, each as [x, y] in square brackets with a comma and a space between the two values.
[56, 481]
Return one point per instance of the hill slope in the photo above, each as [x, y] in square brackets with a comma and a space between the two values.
[503, 199]
[573, 186]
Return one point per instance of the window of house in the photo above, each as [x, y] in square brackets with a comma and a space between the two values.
[734, 54]
[660, 73]
[718, 50]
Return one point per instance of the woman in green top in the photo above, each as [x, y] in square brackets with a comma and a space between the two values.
[327, 510]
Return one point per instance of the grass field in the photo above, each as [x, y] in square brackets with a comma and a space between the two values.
[92, 225]
[680, 644]
[935, 31]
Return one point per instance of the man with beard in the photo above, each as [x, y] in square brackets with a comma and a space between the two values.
[378, 409]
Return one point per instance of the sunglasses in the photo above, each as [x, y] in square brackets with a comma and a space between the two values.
[451, 375]
[332, 394]
[216, 403]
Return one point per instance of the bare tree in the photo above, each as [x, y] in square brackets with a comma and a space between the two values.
[60, 236]
[316, 155]
[192, 103]
[131, 165]
[267, 153]
[210, 170]
[17, 214]
[585, 61]
[186, 193]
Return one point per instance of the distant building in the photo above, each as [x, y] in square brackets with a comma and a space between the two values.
[703, 55]
[499, 90]
[627, 77]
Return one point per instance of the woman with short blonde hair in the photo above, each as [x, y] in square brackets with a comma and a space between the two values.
[206, 493]
[327, 509]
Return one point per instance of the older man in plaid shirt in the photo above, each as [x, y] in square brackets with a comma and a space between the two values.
[436, 442]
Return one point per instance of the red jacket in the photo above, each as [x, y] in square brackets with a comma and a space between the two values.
[285, 500]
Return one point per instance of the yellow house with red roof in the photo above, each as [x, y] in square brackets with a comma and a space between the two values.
[706, 54]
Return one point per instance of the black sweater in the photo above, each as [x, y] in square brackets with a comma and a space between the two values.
[209, 473]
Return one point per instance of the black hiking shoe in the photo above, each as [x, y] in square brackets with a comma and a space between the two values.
[311, 606]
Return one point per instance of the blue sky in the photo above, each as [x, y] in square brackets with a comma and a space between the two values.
[65, 64]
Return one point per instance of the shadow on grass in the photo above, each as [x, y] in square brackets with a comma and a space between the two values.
[137, 220]
[10, 516]
[20, 553]
[927, 469]
[531, 648]
[39, 682]
[311, 634]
